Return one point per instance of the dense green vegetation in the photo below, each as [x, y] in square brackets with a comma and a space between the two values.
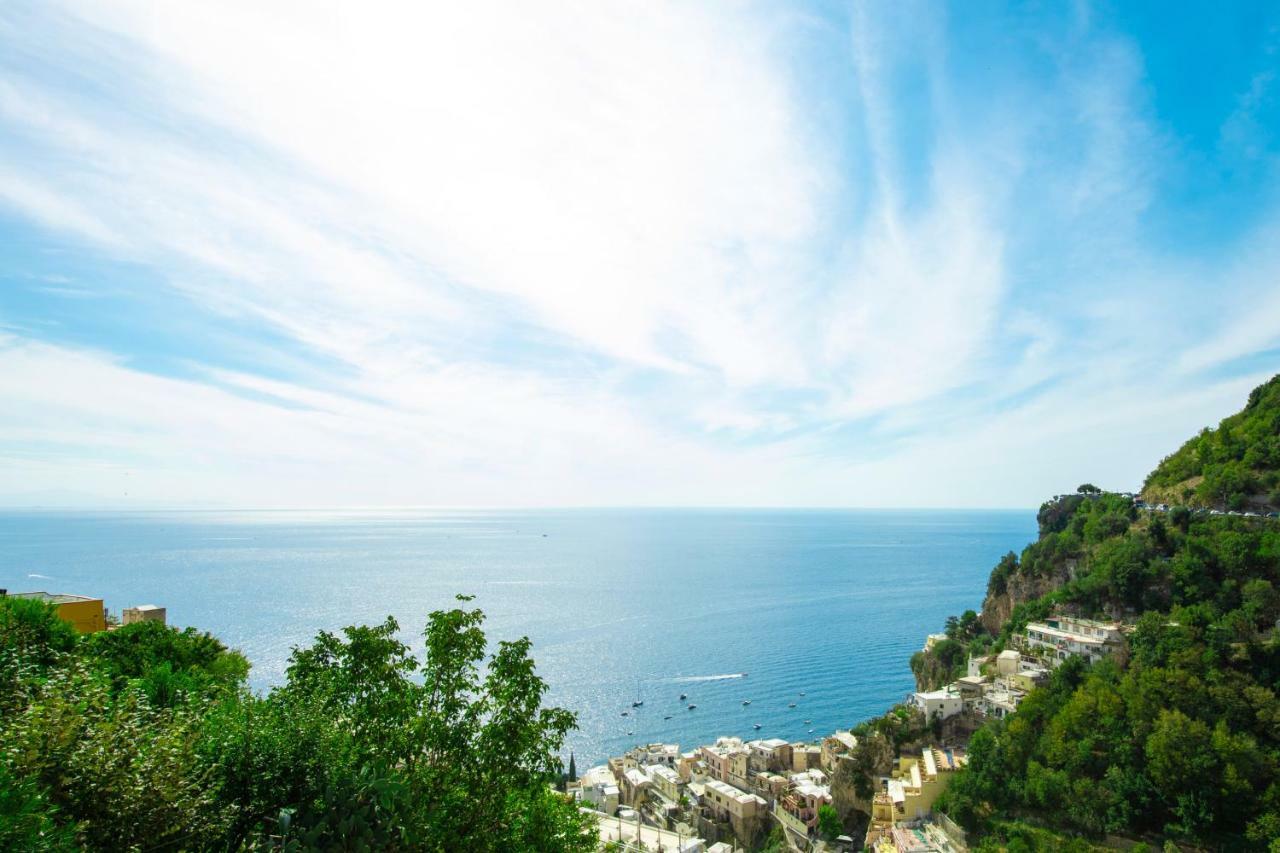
[1230, 465]
[146, 738]
[829, 826]
[945, 661]
[1178, 738]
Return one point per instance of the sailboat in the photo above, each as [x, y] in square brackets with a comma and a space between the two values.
[639, 699]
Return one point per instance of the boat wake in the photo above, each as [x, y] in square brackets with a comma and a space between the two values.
[685, 678]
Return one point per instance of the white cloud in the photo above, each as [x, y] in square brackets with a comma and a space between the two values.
[585, 253]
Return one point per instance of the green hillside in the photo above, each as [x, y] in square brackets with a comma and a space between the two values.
[1235, 466]
[1178, 738]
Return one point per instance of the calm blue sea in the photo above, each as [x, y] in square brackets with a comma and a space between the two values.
[620, 604]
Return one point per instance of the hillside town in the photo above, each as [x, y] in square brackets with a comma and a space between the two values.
[732, 794]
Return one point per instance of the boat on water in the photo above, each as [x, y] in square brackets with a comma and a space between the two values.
[684, 696]
[691, 707]
[667, 717]
[746, 701]
[807, 722]
[756, 726]
[801, 692]
[792, 705]
[624, 713]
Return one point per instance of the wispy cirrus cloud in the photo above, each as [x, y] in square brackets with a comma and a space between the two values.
[598, 254]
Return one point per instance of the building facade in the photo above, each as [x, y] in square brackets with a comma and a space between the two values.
[85, 614]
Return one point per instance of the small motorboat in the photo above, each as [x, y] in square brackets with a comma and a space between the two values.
[792, 705]
[624, 713]
[630, 733]
[684, 696]
[756, 726]
[667, 717]
[637, 704]
[801, 692]
[746, 701]
[807, 722]
[691, 707]
[810, 731]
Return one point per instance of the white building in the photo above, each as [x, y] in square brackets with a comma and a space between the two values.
[665, 780]
[999, 701]
[940, 704]
[1061, 637]
[1008, 662]
[976, 665]
[600, 789]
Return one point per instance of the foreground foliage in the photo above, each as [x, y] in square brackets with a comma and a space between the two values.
[146, 738]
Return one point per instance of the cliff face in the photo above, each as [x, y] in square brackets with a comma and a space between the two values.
[1021, 588]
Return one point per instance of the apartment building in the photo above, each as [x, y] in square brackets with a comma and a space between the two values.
[727, 761]
[745, 813]
[1061, 637]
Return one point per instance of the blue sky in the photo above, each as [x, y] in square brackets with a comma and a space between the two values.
[885, 254]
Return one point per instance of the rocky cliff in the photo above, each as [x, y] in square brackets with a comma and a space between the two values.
[1019, 589]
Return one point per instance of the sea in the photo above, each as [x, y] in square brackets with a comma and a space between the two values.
[810, 615]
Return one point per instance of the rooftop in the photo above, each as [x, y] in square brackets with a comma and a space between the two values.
[663, 771]
[846, 738]
[727, 790]
[53, 597]
[1063, 634]
[635, 777]
[1085, 623]
[597, 775]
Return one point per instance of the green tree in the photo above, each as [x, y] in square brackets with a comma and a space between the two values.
[32, 640]
[829, 826]
[28, 819]
[365, 745]
[1182, 765]
[167, 663]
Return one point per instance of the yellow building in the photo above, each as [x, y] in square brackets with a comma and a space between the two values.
[85, 614]
[915, 784]
[727, 761]
[744, 812]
